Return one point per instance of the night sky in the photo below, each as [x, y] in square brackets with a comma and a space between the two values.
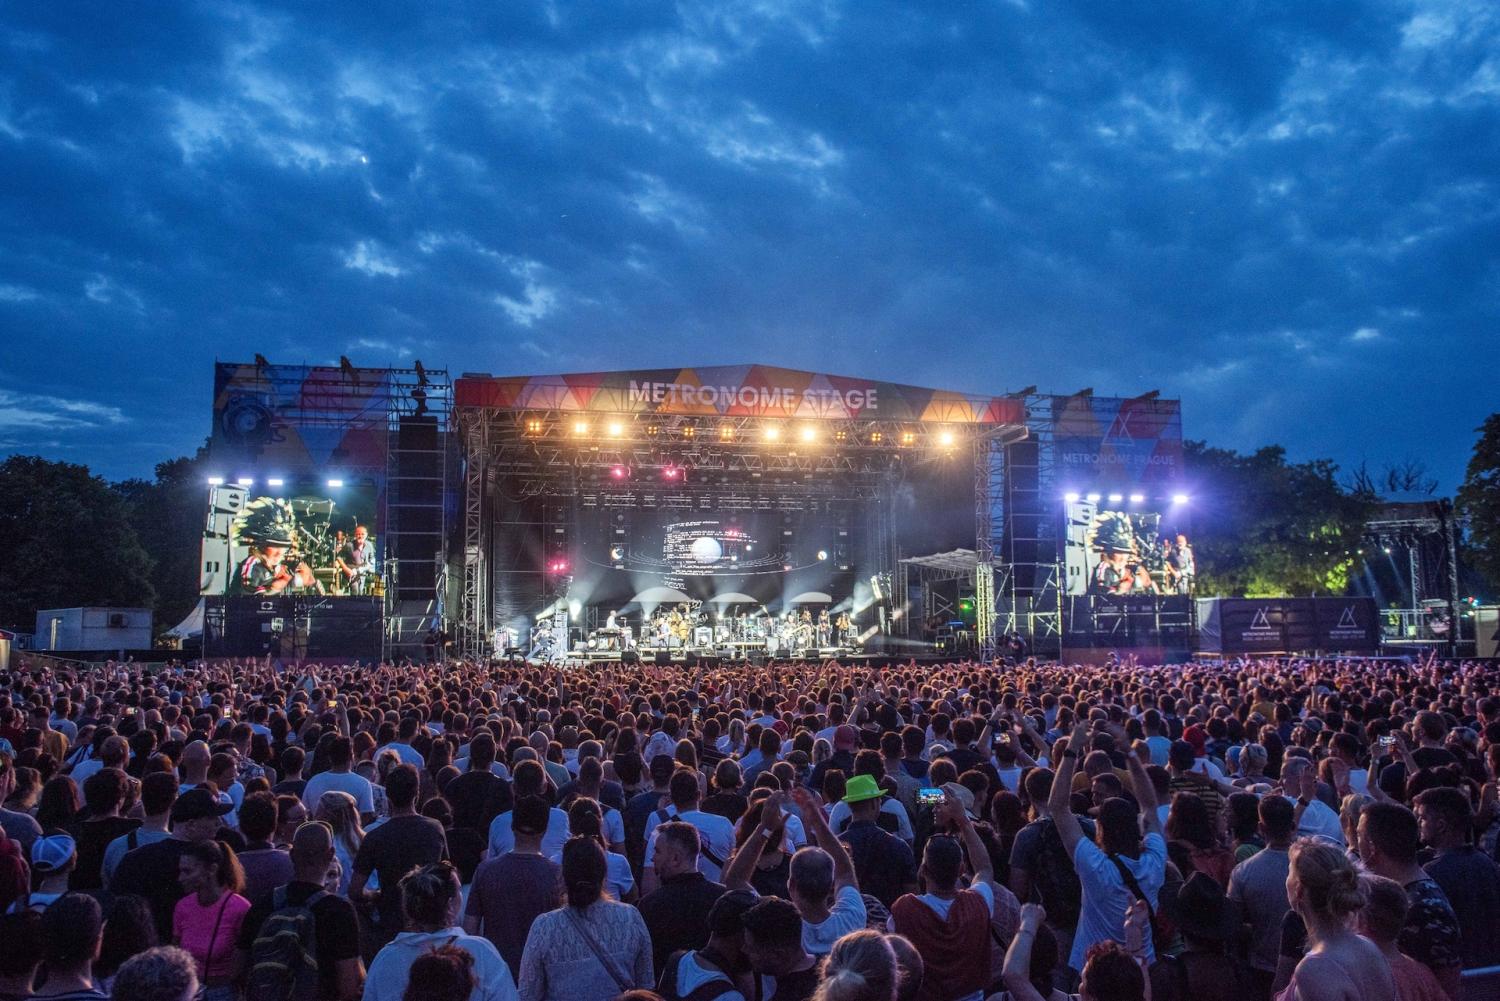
[1284, 213]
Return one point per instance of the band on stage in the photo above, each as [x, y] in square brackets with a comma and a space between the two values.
[691, 626]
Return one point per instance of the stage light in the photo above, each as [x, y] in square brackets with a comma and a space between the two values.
[533, 427]
[216, 481]
[1137, 498]
[726, 434]
[1116, 498]
[772, 432]
[1387, 550]
[1071, 496]
[841, 436]
[245, 481]
[275, 483]
[1093, 498]
[876, 437]
[580, 427]
[1179, 498]
[908, 437]
[652, 430]
[616, 429]
[809, 434]
[575, 609]
[617, 472]
[335, 484]
[671, 473]
[688, 431]
[945, 439]
[822, 554]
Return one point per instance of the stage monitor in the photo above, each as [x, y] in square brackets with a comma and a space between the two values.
[1115, 547]
[297, 541]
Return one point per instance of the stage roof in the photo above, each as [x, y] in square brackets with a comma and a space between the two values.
[735, 391]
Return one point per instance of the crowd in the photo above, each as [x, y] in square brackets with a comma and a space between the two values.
[1291, 829]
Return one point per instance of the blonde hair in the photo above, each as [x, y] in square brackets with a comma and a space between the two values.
[1353, 805]
[860, 967]
[1329, 880]
[340, 812]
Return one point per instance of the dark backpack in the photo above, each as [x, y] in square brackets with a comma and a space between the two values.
[1055, 878]
[709, 990]
[284, 956]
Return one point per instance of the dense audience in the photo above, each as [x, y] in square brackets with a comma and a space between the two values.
[1291, 829]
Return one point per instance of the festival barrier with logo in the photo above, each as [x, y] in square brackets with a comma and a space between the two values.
[1284, 625]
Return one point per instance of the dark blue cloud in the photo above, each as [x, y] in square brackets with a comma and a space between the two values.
[1285, 213]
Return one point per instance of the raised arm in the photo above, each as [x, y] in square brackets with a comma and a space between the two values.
[979, 856]
[1060, 802]
[1017, 970]
[769, 830]
[1145, 792]
[824, 838]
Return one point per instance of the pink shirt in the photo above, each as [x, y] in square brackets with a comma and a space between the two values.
[193, 928]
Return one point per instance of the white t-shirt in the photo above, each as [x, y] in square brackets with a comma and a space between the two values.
[848, 915]
[355, 785]
[503, 839]
[691, 976]
[407, 753]
[716, 830]
[619, 879]
[1106, 897]
[1318, 821]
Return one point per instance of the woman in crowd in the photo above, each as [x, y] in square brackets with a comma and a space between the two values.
[445, 973]
[57, 809]
[129, 930]
[860, 967]
[590, 947]
[585, 819]
[339, 811]
[1323, 887]
[432, 901]
[207, 921]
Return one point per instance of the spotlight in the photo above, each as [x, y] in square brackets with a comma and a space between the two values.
[575, 609]
[580, 427]
[1093, 498]
[822, 554]
[772, 432]
[908, 437]
[671, 473]
[216, 481]
[533, 426]
[726, 433]
[276, 483]
[615, 429]
[1116, 498]
[335, 484]
[1071, 497]
[876, 437]
[245, 481]
[689, 431]
[809, 434]
[617, 472]
[1387, 550]
[841, 436]
[1179, 498]
[1137, 498]
[652, 430]
[945, 439]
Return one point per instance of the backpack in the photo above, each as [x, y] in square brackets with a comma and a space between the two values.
[1055, 880]
[15, 875]
[709, 990]
[284, 956]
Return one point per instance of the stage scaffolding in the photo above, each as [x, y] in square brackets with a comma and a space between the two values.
[727, 463]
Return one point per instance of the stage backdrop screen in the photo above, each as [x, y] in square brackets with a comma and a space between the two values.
[1130, 551]
[312, 543]
[770, 557]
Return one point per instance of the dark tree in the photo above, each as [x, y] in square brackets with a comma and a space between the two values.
[65, 540]
[167, 515]
[1263, 526]
[1479, 502]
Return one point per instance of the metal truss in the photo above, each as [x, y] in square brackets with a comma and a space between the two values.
[474, 612]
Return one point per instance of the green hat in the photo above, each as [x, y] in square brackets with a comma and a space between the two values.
[861, 788]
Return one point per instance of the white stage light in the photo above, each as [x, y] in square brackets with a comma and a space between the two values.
[216, 481]
[1093, 498]
[1137, 498]
[335, 484]
[1116, 498]
[1179, 498]
[1071, 496]
[822, 554]
[245, 481]
[275, 482]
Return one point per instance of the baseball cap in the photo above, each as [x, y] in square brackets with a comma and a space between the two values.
[195, 804]
[962, 794]
[861, 788]
[1196, 736]
[51, 853]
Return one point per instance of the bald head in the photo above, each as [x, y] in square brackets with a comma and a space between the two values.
[312, 851]
[195, 759]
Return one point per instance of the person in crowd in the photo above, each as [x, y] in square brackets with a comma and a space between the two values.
[163, 973]
[442, 973]
[1469, 879]
[407, 840]
[676, 912]
[335, 926]
[53, 858]
[60, 805]
[774, 949]
[152, 870]
[1389, 842]
[1257, 886]
[129, 929]
[528, 778]
[340, 812]
[478, 795]
[1207, 966]
[511, 891]
[104, 794]
[206, 921]
[590, 947]
[718, 971]
[861, 966]
[1122, 867]
[883, 862]
[1381, 921]
[1041, 869]
[18, 825]
[715, 833]
[586, 818]
[20, 953]
[950, 924]
[71, 933]
[265, 866]
[1324, 889]
[340, 777]
[158, 793]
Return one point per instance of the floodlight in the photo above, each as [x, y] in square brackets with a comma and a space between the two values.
[216, 481]
[616, 429]
[809, 433]
[1137, 498]
[1116, 498]
[1179, 498]
[1093, 498]
[945, 438]
[617, 472]
[822, 554]
[1071, 496]
[772, 432]
[580, 427]
[245, 481]
[335, 484]
[274, 482]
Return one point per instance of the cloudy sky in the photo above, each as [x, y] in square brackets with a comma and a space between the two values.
[1284, 213]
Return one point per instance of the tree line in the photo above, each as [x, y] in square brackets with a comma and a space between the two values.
[1264, 526]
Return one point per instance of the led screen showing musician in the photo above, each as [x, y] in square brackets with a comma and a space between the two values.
[1115, 552]
[255, 544]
